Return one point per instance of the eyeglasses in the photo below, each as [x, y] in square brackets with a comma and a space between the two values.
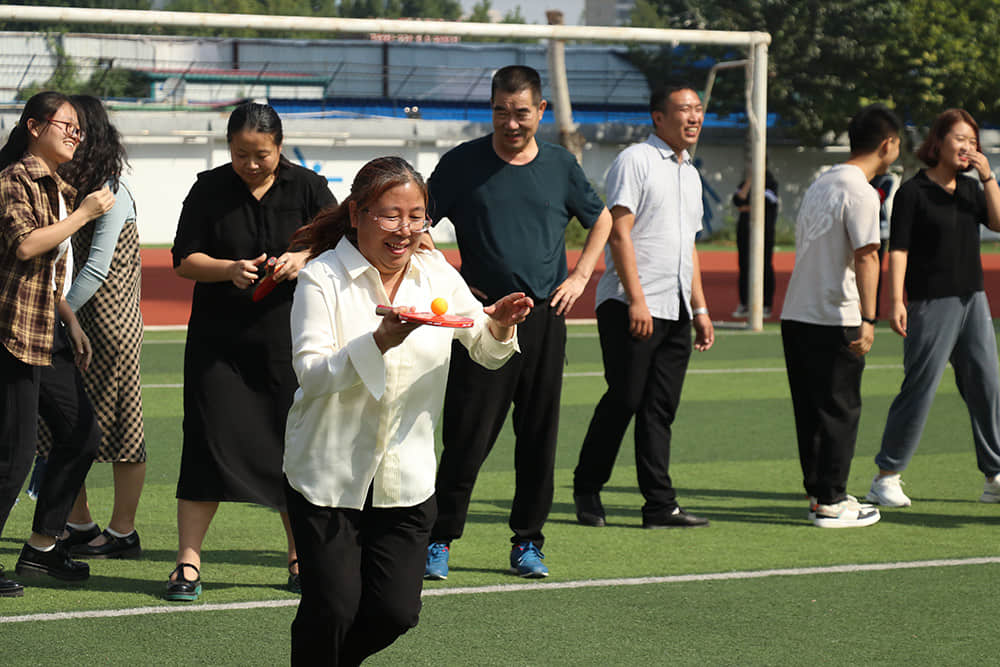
[72, 131]
[395, 223]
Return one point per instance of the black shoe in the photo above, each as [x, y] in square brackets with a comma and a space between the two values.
[55, 563]
[76, 537]
[589, 510]
[678, 519]
[294, 581]
[8, 588]
[180, 589]
[115, 547]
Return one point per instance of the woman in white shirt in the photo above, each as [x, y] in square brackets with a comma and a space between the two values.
[359, 445]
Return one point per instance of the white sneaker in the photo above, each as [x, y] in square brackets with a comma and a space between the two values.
[741, 312]
[848, 513]
[991, 490]
[887, 491]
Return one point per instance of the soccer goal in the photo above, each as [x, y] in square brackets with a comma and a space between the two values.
[755, 44]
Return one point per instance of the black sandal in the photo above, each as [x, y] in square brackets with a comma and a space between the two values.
[294, 582]
[180, 589]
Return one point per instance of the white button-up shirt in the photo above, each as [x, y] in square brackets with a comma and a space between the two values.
[362, 420]
[663, 191]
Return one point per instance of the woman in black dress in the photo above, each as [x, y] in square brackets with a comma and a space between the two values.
[238, 377]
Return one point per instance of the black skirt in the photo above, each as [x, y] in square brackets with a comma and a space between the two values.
[236, 400]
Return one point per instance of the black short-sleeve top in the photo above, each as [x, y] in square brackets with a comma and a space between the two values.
[223, 219]
[940, 232]
[510, 220]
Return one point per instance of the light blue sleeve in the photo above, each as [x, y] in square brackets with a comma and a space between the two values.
[102, 248]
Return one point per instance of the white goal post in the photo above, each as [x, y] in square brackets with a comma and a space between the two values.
[755, 43]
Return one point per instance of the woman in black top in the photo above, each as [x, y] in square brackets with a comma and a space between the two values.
[238, 377]
[934, 255]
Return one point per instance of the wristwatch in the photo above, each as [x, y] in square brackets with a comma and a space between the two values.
[869, 320]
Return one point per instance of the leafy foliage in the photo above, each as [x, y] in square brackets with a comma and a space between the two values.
[827, 58]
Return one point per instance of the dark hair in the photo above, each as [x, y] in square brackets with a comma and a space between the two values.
[658, 98]
[256, 118]
[514, 79]
[101, 157]
[931, 146]
[372, 181]
[40, 108]
[870, 127]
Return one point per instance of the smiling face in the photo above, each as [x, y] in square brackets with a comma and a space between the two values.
[255, 156]
[516, 117]
[957, 146]
[678, 123]
[390, 252]
[54, 142]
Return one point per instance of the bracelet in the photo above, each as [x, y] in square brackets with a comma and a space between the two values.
[869, 320]
[699, 311]
[984, 181]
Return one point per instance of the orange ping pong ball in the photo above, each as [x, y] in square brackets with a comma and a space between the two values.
[439, 306]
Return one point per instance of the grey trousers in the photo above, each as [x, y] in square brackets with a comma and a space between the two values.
[960, 330]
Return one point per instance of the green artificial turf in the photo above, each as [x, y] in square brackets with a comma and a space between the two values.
[733, 461]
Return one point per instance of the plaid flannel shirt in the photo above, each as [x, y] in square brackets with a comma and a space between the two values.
[29, 199]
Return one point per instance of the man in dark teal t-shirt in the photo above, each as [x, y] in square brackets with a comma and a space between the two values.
[511, 198]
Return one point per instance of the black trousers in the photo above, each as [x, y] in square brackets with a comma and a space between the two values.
[56, 393]
[743, 257]
[475, 406]
[644, 379]
[362, 573]
[825, 380]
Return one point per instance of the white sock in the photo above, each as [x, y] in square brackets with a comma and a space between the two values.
[81, 526]
[115, 533]
[44, 549]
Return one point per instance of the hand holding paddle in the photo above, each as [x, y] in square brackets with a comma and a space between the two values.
[269, 282]
[393, 329]
[243, 272]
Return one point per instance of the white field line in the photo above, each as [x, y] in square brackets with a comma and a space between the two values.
[598, 374]
[521, 587]
[724, 371]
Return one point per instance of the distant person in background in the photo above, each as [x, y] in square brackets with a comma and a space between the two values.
[238, 377]
[648, 301]
[828, 318]
[741, 199]
[883, 184]
[934, 256]
[105, 297]
[359, 452]
[42, 347]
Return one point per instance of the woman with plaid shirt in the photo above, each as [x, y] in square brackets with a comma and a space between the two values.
[41, 343]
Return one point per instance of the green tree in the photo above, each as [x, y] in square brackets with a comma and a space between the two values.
[480, 12]
[514, 16]
[946, 55]
[826, 56]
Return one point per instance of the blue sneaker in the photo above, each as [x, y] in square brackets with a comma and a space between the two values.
[437, 561]
[526, 561]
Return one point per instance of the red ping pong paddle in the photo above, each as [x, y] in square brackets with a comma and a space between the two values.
[448, 321]
[268, 283]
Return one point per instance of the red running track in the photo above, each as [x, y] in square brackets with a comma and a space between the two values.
[166, 299]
